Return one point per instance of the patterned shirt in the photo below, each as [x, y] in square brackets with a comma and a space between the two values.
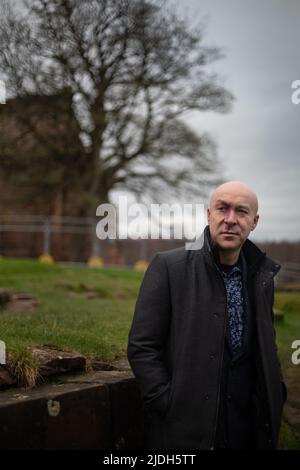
[235, 305]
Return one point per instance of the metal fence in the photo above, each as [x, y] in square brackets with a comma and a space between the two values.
[74, 239]
[289, 273]
[50, 225]
[71, 239]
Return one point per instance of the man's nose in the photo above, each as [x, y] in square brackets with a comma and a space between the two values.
[230, 217]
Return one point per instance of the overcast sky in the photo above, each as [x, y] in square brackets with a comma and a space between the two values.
[259, 140]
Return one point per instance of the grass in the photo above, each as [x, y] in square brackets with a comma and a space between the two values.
[65, 316]
[90, 311]
[24, 366]
[287, 331]
[289, 438]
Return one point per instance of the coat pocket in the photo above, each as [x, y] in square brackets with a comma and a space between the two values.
[160, 404]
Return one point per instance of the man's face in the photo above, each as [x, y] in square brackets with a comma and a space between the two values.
[231, 217]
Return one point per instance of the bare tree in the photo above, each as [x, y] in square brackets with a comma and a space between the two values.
[133, 68]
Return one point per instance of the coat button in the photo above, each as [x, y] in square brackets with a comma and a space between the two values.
[206, 397]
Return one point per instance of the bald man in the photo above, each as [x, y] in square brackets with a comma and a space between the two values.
[202, 341]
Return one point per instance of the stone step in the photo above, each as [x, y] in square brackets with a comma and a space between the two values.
[98, 410]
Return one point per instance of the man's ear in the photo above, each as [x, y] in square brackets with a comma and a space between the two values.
[255, 221]
[208, 214]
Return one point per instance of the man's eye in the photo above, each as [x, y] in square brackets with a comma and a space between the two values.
[220, 209]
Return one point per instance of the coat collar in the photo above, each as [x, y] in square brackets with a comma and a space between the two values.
[256, 259]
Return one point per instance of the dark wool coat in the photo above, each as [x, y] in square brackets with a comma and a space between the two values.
[176, 347]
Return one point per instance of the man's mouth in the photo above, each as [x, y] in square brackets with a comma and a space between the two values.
[228, 233]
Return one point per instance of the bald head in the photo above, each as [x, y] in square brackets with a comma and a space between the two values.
[232, 215]
[235, 189]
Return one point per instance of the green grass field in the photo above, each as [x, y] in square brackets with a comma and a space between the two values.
[288, 331]
[90, 311]
[65, 316]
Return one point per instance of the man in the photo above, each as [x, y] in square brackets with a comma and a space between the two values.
[202, 341]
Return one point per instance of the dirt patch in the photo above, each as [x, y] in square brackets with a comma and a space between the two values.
[6, 378]
[13, 301]
[85, 291]
[292, 406]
